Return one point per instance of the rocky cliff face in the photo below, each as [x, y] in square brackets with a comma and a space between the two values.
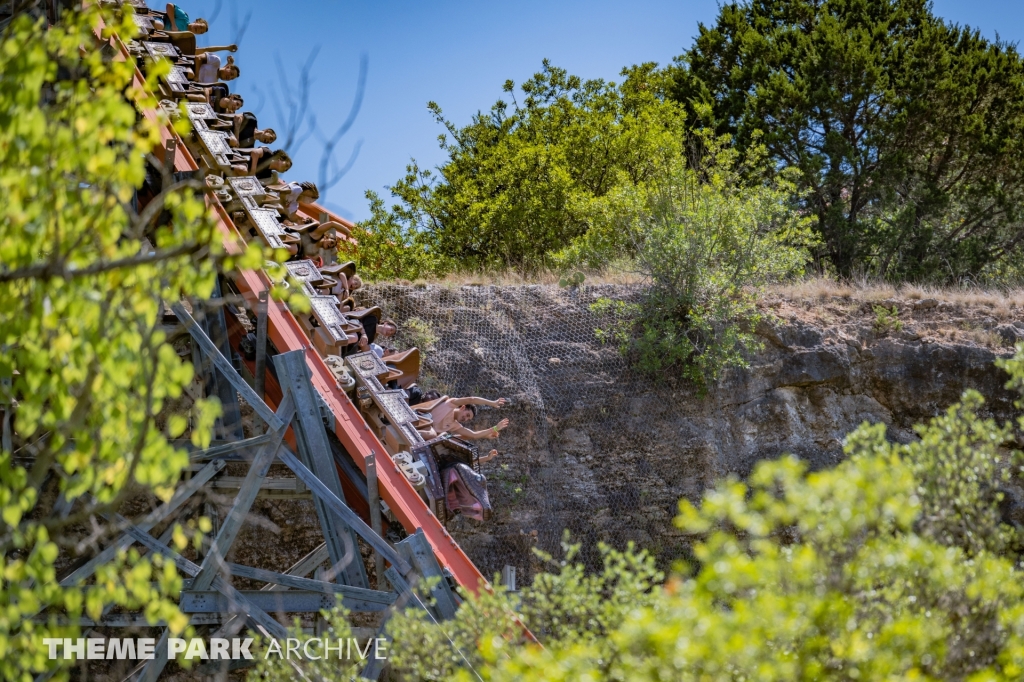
[597, 450]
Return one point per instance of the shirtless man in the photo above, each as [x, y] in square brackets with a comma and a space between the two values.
[449, 413]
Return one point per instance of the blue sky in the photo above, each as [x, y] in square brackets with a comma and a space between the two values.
[456, 53]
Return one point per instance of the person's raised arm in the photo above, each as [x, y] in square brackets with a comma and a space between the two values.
[170, 18]
[462, 402]
[489, 434]
[320, 229]
[216, 48]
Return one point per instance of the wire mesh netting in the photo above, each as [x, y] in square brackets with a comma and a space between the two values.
[589, 446]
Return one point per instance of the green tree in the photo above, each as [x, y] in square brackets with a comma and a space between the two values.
[705, 240]
[84, 366]
[515, 179]
[389, 246]
[907, 130]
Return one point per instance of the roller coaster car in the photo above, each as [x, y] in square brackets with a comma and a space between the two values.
[404, 366]
[363, 313]
[348, 269]
[440, 456]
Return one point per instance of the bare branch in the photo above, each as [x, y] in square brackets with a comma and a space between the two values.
[238, 28]
[298, 115]
[62, 270]
[328, 175]
[329, 179]
[218, 6]
[262, 99]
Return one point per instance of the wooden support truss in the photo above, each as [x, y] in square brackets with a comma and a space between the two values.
[209, 597]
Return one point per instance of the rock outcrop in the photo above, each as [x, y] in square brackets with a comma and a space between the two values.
[606, 454]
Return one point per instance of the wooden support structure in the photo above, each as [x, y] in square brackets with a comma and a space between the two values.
[315, 454]
[260, 374]
[228, 370]
[150, 521]
[243, 501]
[373, 499]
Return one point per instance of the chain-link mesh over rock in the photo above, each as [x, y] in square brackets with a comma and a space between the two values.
[587, 449]
[605, 452]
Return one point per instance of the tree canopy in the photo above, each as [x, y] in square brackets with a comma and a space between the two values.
[906, 129]
[518, 178]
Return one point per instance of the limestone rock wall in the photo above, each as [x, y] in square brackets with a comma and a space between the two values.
[598, 451]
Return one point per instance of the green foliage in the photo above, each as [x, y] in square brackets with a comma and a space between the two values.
[887, 320]
[962, 466]
[571, 279]
[893, 565]
[84, 367]
[517, 180]
[907, 130]
[390, 245]
[704, 240]
[567, 606]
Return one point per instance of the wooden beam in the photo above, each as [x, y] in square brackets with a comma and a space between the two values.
[146, 524]
[338, 507]
[288, 601]
[139, 620]
[260, 376]
[236, 601]
[273, 483]
[347, 591]
[228, 370]
[151, 671]
[246, 495]
[405, 599]
[228, 449]
[373, 499]
[421, 555]
[314, 451]
[304, 566]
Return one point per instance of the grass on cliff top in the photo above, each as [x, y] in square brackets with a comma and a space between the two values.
[813, 288]
[821, 288]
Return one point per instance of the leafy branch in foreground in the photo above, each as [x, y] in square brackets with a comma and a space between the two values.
[85, 367]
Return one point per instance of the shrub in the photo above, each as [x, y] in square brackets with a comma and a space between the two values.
[387, 248]
[887, 320]
[565, 606]
[704, 241]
